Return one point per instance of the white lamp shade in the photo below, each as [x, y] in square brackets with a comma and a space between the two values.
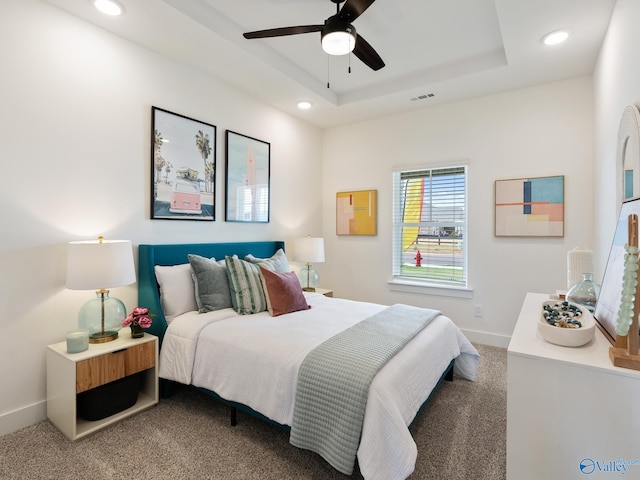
[93, 265]
[308, 250]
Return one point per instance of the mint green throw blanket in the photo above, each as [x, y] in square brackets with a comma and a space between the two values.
[334, 379]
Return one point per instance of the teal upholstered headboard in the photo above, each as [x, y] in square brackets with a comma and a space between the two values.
[151, 255]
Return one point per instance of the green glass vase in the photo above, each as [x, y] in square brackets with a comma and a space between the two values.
[585, 292]
[136, 331]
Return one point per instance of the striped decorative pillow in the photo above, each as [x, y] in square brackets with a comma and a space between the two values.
[247, 295]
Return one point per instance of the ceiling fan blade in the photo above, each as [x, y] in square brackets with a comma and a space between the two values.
[281, 32]
[365, 52]
[352, 9]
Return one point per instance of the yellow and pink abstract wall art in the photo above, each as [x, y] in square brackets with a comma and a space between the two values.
[356, 212]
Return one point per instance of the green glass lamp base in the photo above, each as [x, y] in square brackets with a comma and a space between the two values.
[102, 337]
[308, 277]
[102, 317]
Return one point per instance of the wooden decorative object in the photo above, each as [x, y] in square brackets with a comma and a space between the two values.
[625, 352]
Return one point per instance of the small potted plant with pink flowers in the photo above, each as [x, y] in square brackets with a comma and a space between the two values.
[138, 320]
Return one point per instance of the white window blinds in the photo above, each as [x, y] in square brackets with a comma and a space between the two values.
[430, 225]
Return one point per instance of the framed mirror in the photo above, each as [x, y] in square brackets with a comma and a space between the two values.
[629, 152]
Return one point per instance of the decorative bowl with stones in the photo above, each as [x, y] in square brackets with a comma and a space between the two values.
[566, 323]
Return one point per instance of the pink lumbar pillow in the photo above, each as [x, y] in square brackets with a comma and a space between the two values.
[283, 292]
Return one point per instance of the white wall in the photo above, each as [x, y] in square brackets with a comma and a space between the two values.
[539, 131]
[75, 122]
[616, 85]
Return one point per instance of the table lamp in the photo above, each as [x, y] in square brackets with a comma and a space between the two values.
[99, 265]
[308, 249]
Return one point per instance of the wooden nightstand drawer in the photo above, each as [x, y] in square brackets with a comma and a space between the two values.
[106, 368]
[96, 371]
[139, 358]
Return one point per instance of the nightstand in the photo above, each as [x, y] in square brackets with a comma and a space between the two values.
[72, 374]
[325, 292]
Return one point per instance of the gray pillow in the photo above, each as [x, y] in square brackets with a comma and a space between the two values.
[211, 284]
[276, 263]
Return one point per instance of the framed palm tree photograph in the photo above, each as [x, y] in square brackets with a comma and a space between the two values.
[183, 167]
[247, 178]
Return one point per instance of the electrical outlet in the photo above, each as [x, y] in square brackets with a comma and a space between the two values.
[478, 311]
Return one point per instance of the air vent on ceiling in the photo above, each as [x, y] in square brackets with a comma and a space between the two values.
[423, 97]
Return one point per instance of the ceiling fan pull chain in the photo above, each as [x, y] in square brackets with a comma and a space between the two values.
[349, 62]
[328, 71]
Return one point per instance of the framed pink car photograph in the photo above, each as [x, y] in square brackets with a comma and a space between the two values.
[183, 167]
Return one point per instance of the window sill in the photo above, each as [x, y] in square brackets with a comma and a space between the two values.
[407, 286]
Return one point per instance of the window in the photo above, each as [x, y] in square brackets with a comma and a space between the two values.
[430, 226]
[252, 203]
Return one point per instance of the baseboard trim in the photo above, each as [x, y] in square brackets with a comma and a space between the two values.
[23, 417]
[491, 339]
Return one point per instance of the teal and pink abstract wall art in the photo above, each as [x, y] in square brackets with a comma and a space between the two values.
[530, 207]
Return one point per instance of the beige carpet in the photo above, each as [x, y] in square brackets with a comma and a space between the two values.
[461, 434]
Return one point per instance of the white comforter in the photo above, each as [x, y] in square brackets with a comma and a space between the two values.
[254, 360]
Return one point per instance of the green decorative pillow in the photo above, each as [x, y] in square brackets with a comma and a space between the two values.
[276, 263]
[247, 295]
[283, 292]
[211, 284]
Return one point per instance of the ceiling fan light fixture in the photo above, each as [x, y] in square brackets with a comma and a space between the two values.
[338, 37]
[338, 43]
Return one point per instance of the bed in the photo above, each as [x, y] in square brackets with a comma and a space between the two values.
[252, 361]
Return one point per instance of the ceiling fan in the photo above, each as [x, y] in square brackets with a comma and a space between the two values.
[337, 34]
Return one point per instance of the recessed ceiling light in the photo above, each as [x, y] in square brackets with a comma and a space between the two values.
[554, 38]
[304, 105]
[108, 7]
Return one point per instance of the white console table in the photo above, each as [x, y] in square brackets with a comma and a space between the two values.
[570, 413]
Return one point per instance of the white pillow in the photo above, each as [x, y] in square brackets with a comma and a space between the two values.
[177, 290]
